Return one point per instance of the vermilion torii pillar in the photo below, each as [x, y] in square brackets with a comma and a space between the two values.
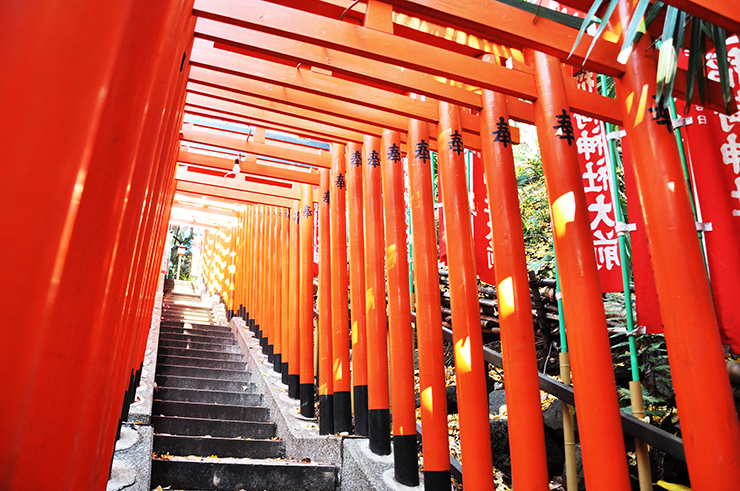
[709, 424]
[339, 300]
[526, 429]
[602, 443]
[357, 285]
[278, 292]
[475, 440]
[324, 337]
[285, 317]
[306, 303]
[377, 339]
[399, 308]
[294, 340]
[428, 314]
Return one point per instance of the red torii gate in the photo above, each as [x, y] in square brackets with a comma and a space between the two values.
[105, 199]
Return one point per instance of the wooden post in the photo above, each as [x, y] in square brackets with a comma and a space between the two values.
[324, 337]
[357, 285]
[602, 443]
[703, 394]
[526, 429]
[399, 308]
[475, 440]
[306, 304]
[294, 353]
[377, 339]
[339, 300]
[428, 314]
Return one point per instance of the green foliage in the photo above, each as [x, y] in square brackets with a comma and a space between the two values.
[181, 236]
[655, 372]
[535, 212]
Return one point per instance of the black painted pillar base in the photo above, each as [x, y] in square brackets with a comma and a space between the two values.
[257, 332]
[405, 460]
[284, 372]
[308, 408]
[379, 429]
[326, 414]
[270, 351]
[276, 362]
[294, 386]
[361, 428]
[437, 480]
[252, 324]
[343, 412]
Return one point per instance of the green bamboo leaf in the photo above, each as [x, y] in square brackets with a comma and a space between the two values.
[695, 72]
[679, 35]
[720, 48]
[602, 27]
[586, 22]
[629, 35]
[667, 51]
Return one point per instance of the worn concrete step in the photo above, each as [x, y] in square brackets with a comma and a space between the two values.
[204, 383]
[210, 411]
[225, 348]
[208, 396]
[198, 353]
[213, 427]
[199, 328]
[194, 338]
[211, 373]
[221, 447]
[189, 361]
[253, 475]
[196, 332]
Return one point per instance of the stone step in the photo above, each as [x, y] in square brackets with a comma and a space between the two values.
[210, 411]
[194, 338]
[198, 353]
[213, 427]
[204, 383]
[225, 348]
[189, 361]
[250, 475]
[199, 328]
[196, 332]
[208, 396]
[210, 373]
[221, 447]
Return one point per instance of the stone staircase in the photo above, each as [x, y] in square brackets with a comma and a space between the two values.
[210, 428]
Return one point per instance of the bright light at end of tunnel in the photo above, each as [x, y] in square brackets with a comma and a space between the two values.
[506, 304]
[463, 363]
[563, 212]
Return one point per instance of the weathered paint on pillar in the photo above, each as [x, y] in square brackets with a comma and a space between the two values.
[475, 445]
[306, 303]
[428, 314]
[377, 338]
[526, 429]
[709, 423]
[600, 428]
[339, 300]
[324, 336]
[357, 285]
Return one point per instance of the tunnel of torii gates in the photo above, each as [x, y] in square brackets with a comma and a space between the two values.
[114, 113]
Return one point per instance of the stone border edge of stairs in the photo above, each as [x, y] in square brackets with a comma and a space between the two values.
[357, 467]
[131, 469]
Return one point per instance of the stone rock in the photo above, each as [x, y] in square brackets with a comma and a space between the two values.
[496, 399]
[451, 399]
[500, 447]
